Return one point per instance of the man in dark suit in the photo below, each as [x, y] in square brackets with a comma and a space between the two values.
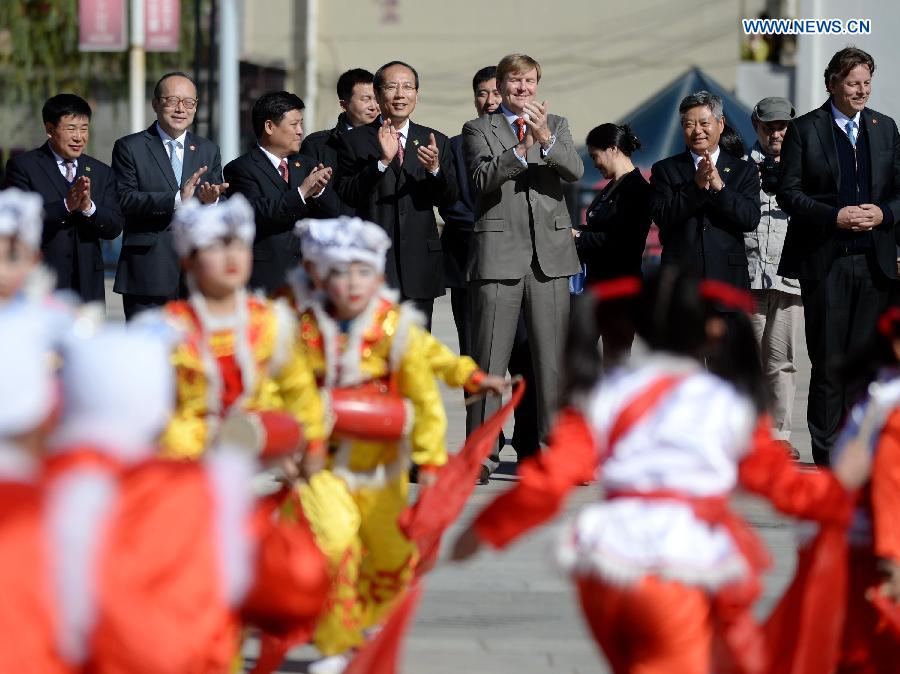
[705, 199]
[840, 185]
[394, 172]
[156, 171]
[81, 205]
[281, 185]
[357, 100]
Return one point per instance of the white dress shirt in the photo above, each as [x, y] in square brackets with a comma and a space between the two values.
[841, 120]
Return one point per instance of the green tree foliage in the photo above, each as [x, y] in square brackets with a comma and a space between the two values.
[39, 54]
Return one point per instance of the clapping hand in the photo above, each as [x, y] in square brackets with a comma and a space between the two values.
[79, 195]
[389, 141]
[536, 116]
[428, 155]
[316, 181]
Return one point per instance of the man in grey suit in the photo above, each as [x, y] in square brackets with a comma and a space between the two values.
[522, 250]
[156, 171]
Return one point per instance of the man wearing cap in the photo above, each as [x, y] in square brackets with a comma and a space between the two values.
[779, 310]
[840, 185]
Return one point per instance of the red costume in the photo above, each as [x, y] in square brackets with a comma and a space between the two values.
[665, 570]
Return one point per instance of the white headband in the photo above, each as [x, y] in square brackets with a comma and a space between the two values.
[22, 215]
[196, 226]
[335, 243]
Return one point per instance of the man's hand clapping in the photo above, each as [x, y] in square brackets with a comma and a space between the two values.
[707, 175]
[316, 181]
[428, 155]
[207, 193]
[79, 195]
[389, 141]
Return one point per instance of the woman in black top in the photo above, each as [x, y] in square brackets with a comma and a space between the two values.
[611, 243]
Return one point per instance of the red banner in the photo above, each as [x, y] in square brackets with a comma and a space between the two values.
[162, 25]
[101, 25]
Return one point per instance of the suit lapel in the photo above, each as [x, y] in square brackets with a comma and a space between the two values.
[191, 161]
[51, 168]
[266, 168]
[873, 126]
[298, 169]
[685, 165]
[156, 149]
[416, 137]
[503, 131]
[823, 124]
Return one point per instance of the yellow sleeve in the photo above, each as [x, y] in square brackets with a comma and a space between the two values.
[453, 370]
[185, 435]
[300, 396]
[417, 383]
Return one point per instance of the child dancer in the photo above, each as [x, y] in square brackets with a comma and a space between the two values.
[370, 355]
[155, 564]
[873, 435]
[663, 568]
[239, 351]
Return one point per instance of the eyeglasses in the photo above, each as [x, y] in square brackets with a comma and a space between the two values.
[173, 101]
[391, 87]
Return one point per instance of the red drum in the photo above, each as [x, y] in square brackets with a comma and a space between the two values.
[369, 412]
[267, 433]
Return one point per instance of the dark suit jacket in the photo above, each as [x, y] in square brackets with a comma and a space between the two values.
[402, 200]
[613, 239]
[323, 146]
[148, 264]
[810, 176]
[277, 206]
[459, 221]
[705, 231]
[71, 241]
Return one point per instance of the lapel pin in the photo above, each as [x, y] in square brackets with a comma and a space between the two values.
[87, 169]
[416, 142]
[874, 120]
[297, 164]
[193, 147]
[726, 169]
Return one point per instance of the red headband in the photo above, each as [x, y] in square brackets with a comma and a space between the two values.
[887, 323]
[617, 288]
[726, 295]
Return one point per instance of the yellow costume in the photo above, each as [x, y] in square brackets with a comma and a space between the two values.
[250, 362]
[354, 504]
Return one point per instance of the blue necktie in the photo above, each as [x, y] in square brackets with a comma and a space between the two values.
[851, 131]
[176, 162]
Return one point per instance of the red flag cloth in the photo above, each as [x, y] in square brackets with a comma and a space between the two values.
[380, 655]
[804, 632]
[439, 505]
[888, 613]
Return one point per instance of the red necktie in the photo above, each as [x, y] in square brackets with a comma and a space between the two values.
[283, 170]
[521, 124]
[400, 148]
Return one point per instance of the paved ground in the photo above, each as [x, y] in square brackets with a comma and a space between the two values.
[512, 613]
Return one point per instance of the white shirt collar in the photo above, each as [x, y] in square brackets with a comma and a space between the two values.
[841, 119]
[60, 160]
[166, 137]
[714, 156]
[276, 161]
[511, 117]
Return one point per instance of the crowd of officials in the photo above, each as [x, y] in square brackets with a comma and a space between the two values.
[805, 219]
[799, 228]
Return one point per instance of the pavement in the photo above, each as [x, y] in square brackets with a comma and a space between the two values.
[511, 612]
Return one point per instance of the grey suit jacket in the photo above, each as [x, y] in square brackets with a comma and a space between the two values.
[508, 195]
